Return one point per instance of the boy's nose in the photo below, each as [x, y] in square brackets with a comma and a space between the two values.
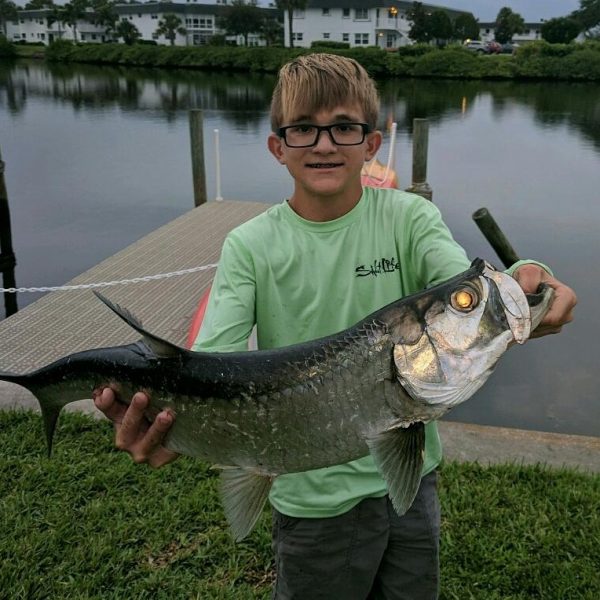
[325, 141]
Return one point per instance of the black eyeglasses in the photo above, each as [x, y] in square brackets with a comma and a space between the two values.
[305, 135]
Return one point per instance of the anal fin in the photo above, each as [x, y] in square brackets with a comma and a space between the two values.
[244, 494]
[399, 454]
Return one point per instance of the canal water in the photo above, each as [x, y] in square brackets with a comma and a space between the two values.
[97, 157]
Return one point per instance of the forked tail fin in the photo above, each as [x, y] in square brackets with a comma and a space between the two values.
[50, 407]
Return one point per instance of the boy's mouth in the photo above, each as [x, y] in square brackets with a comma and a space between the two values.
[323, 165]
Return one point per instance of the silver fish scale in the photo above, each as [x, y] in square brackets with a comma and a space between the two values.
[314, 417]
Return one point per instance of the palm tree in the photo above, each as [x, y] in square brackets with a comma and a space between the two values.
[169, 26]
[128, 31]
[290, 6]
[8, 12]
[105, 15]
[72, 12]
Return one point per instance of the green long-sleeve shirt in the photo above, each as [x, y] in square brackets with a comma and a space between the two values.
[299, 280]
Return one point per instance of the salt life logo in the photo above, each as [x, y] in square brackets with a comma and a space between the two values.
[379, 266]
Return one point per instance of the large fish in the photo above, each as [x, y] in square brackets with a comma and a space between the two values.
[369, 388]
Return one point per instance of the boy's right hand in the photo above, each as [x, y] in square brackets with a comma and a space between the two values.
[133, 433]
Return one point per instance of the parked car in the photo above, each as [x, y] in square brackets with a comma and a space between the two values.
[476, 46]
[493, 47]
[509, 48]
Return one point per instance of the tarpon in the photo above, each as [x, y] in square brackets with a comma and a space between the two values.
[370, 388]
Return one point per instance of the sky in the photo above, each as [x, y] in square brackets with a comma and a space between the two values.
[530, 10]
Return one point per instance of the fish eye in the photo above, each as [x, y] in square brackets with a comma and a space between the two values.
[464, 299]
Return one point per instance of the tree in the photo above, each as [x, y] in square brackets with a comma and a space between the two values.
[440, 27]
[8, 12]
[588, 16]
[419, 29]
[466, 27]
[169, 26]
[72, 12]
[271, 31]
[561, 30]
[243, 19]
[290, 6]
[128, 31]
[507, 24]
[39, 4]
[105, 15]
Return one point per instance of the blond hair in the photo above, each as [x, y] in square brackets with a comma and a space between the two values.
[319, 81]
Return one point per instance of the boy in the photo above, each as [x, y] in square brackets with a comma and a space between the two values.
[310, 267]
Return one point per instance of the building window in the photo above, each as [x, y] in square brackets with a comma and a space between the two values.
[23, 35]
[361, 14]
[297, 37]
[154, 16]
[325, 12]
[346, 13]
[345, 37]
[361, 39]
[325, 36]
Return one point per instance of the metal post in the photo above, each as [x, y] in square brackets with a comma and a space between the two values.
[7, 255]
[419, 171]
[493, 234]
[197, 147]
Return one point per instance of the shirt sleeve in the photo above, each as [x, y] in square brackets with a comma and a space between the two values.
[230, 312]
[434, 253]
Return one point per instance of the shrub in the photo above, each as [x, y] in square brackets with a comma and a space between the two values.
[329, 44]
[7, 50]
[416, 50]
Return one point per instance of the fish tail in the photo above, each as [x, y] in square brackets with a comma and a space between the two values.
[49, 407]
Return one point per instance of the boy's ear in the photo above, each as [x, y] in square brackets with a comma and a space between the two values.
[374, 140]
[275, 145]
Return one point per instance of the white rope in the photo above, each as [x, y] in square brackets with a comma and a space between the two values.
[87, 286]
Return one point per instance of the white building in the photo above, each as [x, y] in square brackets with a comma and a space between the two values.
[382, 23]
[200, 21]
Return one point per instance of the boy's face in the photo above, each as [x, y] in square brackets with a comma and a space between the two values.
[327, 169]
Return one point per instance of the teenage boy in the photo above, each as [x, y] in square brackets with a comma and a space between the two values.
[309, 267]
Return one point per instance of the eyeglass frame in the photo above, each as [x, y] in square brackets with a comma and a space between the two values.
[366, 129]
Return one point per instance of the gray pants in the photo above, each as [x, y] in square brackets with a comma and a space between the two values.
[367, 553]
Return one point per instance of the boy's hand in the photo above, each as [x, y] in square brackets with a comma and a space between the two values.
[133, 433]
[529, 278]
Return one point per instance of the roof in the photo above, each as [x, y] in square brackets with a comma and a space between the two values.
[379, 4]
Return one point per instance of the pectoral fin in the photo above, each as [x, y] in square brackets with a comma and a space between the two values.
[244, 494]
[398, 455]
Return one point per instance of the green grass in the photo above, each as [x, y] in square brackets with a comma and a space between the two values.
[88, 523]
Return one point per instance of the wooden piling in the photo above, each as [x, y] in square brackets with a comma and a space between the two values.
[7, 255]
[197, 148]
[419, 170]
[494, 235]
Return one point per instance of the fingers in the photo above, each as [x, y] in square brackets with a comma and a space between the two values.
[529, 277]
[105, 400]
[133, 433]
[561, 312]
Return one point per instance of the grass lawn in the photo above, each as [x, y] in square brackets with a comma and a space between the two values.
[88, 523]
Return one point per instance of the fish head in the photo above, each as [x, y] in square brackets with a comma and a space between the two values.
[466, 324]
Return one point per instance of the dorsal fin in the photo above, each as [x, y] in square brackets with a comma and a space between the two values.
[160, 347]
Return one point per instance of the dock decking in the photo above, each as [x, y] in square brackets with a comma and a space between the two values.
[68, 321]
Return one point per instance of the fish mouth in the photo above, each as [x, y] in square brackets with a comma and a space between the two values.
[514, 302]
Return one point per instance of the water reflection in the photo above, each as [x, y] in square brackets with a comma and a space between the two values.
[99, 157]
[243, 99]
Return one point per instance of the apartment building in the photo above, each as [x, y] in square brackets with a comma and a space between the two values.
[199, 20]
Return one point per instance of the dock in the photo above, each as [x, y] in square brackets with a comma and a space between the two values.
[64, 322]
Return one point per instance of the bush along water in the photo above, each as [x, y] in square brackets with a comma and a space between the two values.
[537, 60]
[7, 50]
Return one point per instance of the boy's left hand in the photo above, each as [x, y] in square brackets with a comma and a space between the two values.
[529, 278]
